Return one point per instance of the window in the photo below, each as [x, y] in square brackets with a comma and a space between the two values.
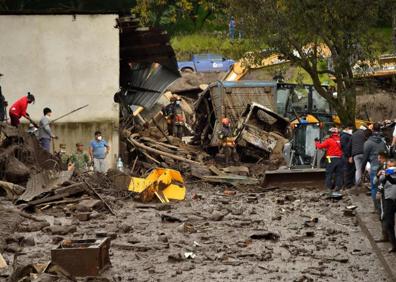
[319, 104]
[281, 101]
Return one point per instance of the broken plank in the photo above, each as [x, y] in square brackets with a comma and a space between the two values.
[215, 170]
[100, 197]
[67, 191]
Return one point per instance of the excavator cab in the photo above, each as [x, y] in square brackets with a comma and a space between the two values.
[310, 117]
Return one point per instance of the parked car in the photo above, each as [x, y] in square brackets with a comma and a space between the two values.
[206, 63]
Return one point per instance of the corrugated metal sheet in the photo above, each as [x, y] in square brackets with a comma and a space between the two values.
[147, 63]
[43, 182]
[146, 84]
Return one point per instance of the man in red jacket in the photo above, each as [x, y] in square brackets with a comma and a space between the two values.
[19, 108]
[332, 145]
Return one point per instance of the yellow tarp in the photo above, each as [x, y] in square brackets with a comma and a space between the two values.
[166, 184]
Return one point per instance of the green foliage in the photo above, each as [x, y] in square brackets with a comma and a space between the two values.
[306, 31]
[182, 16]
[218, 43]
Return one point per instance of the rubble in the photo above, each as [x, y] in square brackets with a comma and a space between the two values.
[220, 231]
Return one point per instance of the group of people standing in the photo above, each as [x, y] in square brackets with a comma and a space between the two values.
[347, 157]
[79, 160]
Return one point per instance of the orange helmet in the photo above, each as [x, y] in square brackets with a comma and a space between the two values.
[225, 121]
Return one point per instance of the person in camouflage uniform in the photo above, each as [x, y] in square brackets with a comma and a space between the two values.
[63, 156]
[79, 160]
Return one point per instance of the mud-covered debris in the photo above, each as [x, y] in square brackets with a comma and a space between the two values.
[309, 233]
[349, 213]
[229, 192]
[3, 263]
[83, 216]
[189, 255]
[170, 218]
[89, 205]
[61, 230]
[125, 228]
[265, 235]
[28, 241]
[177, 257]
[186, 228]
[311, 222]
[217, 216]
[133, 240]
[32, 227]
[240, 170]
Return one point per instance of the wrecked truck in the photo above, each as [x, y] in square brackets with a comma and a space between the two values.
[260, 132]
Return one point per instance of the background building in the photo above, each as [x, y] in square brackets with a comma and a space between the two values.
[66, 61]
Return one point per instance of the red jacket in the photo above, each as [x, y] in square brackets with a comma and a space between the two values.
[19, 108]
[332, 146]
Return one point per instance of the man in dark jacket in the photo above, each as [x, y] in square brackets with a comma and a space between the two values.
[372, 147]
[348, 166]
[388, 184]
[357, 145]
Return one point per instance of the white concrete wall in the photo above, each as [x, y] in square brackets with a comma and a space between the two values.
[66, 61]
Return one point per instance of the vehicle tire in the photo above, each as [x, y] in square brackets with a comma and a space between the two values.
[186, 70]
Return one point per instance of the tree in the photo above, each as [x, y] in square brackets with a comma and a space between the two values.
[300, 30]
[189, 15]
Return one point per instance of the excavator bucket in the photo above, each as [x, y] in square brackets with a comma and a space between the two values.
[301, 177]
[165, 184]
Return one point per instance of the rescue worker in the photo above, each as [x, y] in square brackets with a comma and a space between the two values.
[332, 145]
[168, 113]
[45, 134]
[63, 156]
[388, 186]
[227, 141]
[19, 109]
[179, 119]
[79, 161]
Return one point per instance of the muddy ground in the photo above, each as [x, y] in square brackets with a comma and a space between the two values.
[253, 235]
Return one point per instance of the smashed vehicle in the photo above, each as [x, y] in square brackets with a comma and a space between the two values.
[260, 131]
